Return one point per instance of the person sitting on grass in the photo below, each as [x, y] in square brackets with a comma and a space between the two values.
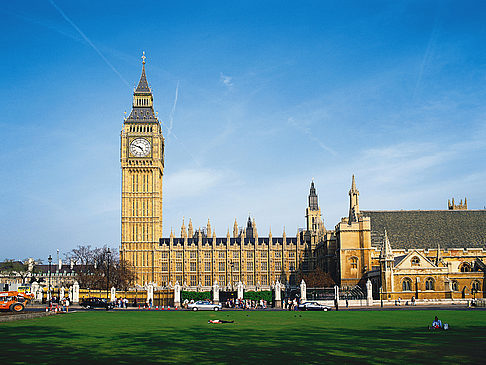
[437, 323]
[219, 321]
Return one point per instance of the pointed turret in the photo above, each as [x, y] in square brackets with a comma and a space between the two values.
[249, 228]
[438, 257]
[313, 212]
[386, 250]
[208, 229]
[235, 229]
[353, 203]
[190, 230]
[313, 197]
[142, 107]
[183, 229]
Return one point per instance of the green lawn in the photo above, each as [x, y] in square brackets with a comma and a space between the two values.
[255, 337]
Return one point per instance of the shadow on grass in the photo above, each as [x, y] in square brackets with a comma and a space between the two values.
[240, 343]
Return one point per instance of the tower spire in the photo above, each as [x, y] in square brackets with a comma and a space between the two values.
[142, 108]
[353, 202]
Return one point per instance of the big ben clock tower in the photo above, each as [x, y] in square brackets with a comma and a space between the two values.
[142, 164]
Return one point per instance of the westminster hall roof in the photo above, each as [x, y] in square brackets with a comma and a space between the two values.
[421, 229]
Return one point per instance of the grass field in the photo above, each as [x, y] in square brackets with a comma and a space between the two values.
[255, 337]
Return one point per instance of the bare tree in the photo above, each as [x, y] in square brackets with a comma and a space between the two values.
[101, 268]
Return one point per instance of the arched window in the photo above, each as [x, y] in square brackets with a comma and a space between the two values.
[407, 284]
[476, 286]
[429, 284]
[465, 267]
[415, 261]
[455, 285]
[354, 262]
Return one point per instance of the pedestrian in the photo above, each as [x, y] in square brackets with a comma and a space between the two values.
[347, 303]
[336, 304]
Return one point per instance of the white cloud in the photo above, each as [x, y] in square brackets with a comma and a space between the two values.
[191, 182]
[226, 80]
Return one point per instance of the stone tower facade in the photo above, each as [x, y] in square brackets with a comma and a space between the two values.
[142, 164]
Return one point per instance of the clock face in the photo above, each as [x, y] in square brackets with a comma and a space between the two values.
[140, 147]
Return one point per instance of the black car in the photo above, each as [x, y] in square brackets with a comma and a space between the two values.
[90, 303]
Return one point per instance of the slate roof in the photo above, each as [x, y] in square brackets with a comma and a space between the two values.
[143, 86]
[420, 229]
[142, 113]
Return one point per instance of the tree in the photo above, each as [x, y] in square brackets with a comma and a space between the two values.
[100, 268]
[317, 279]
[14, 269]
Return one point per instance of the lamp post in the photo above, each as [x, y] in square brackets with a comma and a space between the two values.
[49, 291]
[231, 278]
[108, 274]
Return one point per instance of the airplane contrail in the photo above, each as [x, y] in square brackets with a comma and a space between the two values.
[63, 14]
[171, 115]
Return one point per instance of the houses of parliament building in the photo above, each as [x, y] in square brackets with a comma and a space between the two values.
[425, 254]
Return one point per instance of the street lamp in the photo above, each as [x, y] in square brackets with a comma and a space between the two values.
[231, 279]
[49, 291]
[108, 274]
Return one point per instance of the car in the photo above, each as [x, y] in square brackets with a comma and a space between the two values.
[204, 305]
[90, 303]
[313, 306]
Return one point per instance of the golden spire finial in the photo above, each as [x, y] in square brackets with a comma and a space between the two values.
[143, 57]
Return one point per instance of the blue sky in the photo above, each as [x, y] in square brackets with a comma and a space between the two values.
[259, 97]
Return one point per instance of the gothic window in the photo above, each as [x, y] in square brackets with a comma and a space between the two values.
[221, 280]
[165, 255]
[165, 266]
[291, 254]
[221, 266]
[354, 262]
[178, 255]
[207, 266]
[264, 253]
[193, 254]
[455, 285]
[164, 279]
[292, 266]
[236, 266]
[249, 280]
[236, 254]
[193, 266]
[278, 266]
[178, 266]
[264, 280]
[207, 255]
[277, 254]
[207, 280]
[429, 284]
[221, 254]
[475, 286]
[264, 266]
[407, 284]
[415, 261]
[249, 266]
[193, 280]
[249, 254]
[465, 267]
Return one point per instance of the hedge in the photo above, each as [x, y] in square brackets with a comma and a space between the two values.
[195, 295]
[257, 295]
